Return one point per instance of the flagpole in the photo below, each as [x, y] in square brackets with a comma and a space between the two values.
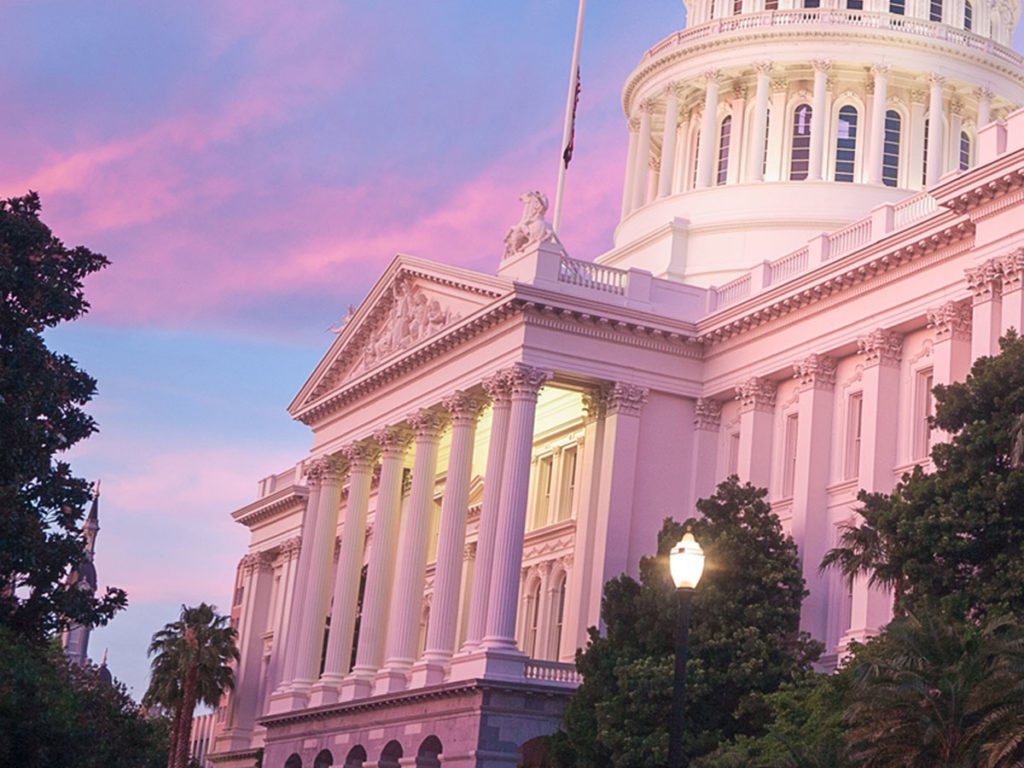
[570, 110]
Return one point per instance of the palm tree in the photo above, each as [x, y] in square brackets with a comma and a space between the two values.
[191, 664]
[862, 551]
[937, 691]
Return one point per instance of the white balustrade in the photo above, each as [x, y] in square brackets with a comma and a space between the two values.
[912, 209]
[552, 672]
[849, 238]
[597, 277]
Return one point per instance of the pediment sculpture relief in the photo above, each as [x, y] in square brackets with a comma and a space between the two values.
[412, 316]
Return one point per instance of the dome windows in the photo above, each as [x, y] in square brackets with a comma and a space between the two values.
[899, 7]
[891, 148]
[935, 10]
[800, 147]
[968, 16]
[846, 143]
[723, 151]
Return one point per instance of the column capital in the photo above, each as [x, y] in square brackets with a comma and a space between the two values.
[525, 381]
[919, 96]
[627, 399]
[956, 106]
[984, 93]
[881, 347]
[469, 552]
[672, 90]
[756, 393]
[361, 455]
[712, 76]
[984, 281]
[464, 407]
[255, 561]
[1011, 269]
[707, 414]
[879, 70]
[595, 404]
[646, 106]
[289, 548]
[815, 372]
[394, 440]
[323, 469]
[763, 68]
[821, 65]
[951, 321]
[634, 124]
[497, 387]
[428, 423]
[936, 80]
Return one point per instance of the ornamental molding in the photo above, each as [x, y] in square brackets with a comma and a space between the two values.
[984, 281]
[927, 347]
[289, 548]
[815, 372]
[993, 194]
[627, 399]
[283, 502]
[595, 405]
[951, 321]
[881, 347]
[707, 414]
[757, 394]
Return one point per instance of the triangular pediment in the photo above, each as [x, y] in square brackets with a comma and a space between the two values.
[414, 300]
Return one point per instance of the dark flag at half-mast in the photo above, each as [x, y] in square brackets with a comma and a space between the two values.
[567, 153]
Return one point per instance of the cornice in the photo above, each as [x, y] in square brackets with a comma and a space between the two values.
[824, 283]
[998, 181]
[270, 506]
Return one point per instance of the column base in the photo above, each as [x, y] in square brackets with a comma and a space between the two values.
[429, 671]
[489, 664]
[287, 700]
[358, 685]
[391, 679]
[325, 690]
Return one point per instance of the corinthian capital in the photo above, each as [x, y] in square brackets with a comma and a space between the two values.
[323, 469]
[361, 455]
[464, 407]
[984, 280]
[816, 371]
[707, 414]
[525, 381]
[393, 441]
[627, 399]
[881, 347]
[756, 393]
[951, 320]
[428, 424]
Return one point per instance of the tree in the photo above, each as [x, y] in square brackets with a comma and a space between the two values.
[955, 536]
[744, 641]
[933, 691]
[53, 712]
[191, 664]
[41, 399]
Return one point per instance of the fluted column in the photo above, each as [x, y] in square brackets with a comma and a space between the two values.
[318, 584]
[406, 602]
[394, 444]
[497, 387]
[810, 525]
[758, 123]
[465, 411]
[668, 141]
[777, 130]
[876, 144]
[935, 138]
[819, 109]
[757, 413]
[289, 553]
[627, 183]
[643, 153]
[525, 383]
[708, 125]
[362, 458]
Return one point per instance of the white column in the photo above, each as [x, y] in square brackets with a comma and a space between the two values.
[627, 183]
[956, 120]
[682, 172]
[935, 138]
[984, 106]
[654, 165]
[362, 457]
[776, 131]
[738, 111]
[289, 553]
[757, 412]
[758, 124]
[465, 410]
[498, 388]
[882, 351]
[915, 163]
[876, 141]
[810, 523]
[406, 603]
[394, 444]
[668, 141]
[525, 382]
[318, 584]
[708, 131]
[643, 153]
[985, 283]
[819, 108]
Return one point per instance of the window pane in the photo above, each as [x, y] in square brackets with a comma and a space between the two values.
[891, 149]
[846, 143]
[935, 10]
[965, 151]
[800, 154]
[855, 5]
[924, 162]
[968, 16]
[723, 150]
[897, 6]
[771, 5]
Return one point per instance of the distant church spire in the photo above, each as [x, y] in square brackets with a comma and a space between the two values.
[83, 576]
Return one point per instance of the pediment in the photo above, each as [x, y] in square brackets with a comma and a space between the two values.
[413, 301]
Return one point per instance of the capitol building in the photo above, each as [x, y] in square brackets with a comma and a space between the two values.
[822, 218]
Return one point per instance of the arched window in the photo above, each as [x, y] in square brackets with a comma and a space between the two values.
[935, 10]
[924, 161]
[390, 755]
[723, 150]
[968, 16]
[891, 148]
[800, 147]
[293, 761]
[533, 620]
[324, 759]
[355, 757]
[965, 151]
[427, 754]
[898, 7]
[846, 143]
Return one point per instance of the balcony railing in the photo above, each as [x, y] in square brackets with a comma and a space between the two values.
[597, 277]
[552, 672]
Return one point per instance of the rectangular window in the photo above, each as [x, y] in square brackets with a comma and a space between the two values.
[543, 496]
[854, 423]
[789, 456]
[923, 407]
[734, 453]
[568, 485]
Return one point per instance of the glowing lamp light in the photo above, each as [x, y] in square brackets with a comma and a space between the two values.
[686, 561]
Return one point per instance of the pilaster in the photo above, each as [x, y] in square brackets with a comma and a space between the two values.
[757, 413]
[985, 284]
[1011, 269]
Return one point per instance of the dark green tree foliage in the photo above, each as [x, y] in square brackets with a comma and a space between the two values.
[41, 399]
[55, 713]
[744, 641]
[956, 535]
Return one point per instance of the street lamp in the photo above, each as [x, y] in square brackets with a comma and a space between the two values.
[686, 561]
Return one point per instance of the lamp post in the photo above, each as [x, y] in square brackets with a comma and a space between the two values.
[686, 561]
